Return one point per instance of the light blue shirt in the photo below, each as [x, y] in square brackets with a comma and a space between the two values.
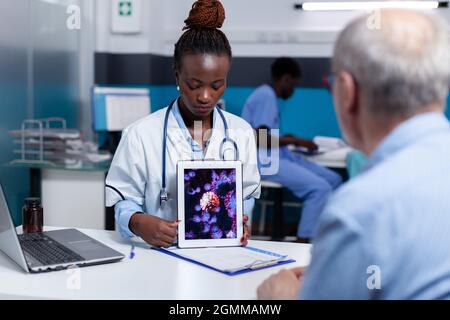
[125, 209]
[197, 150]
[261, 108]
[386, 234]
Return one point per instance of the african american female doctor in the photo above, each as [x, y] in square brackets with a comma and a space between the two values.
[142, 176]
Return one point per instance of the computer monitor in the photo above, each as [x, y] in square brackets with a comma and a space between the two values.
[114, 108]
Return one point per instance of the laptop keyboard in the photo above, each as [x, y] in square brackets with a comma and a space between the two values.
[46, 250]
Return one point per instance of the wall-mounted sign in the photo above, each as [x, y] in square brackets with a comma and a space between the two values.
[126, 16]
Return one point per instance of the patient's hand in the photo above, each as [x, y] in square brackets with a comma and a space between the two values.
[283, 285]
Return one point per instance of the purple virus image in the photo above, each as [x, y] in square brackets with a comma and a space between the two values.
[213, 219]
[231, 234]
[189, 235]
[205, 217]
[230, 204]
[210, 203]
[216, 233]
[206, 228]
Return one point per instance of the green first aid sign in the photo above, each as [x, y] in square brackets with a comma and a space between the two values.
[125, 8]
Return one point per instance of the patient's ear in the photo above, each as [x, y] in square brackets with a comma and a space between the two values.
[348, 108]
[348, 93]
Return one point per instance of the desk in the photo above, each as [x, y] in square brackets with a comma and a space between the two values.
[150, 275]
[71, 193]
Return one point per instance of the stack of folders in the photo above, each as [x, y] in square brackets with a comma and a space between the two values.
[230, 260]
[325, 145]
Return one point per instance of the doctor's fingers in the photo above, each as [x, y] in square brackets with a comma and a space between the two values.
[169, 229]
[165, 240]
[167, 232]
[245, 237]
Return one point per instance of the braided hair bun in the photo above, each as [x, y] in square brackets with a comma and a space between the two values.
[205, 14]
[202, 35]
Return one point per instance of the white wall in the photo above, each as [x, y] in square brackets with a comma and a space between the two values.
[267, 27]
[254, 27]
[150, 40]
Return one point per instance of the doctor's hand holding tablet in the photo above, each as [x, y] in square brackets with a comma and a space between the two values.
[188, 170]
[153, 230]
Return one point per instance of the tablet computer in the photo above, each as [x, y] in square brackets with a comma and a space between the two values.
[210, 203]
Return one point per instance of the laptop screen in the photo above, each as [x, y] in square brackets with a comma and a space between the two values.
[9, 243]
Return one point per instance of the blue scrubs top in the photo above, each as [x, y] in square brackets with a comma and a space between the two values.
[261, 108]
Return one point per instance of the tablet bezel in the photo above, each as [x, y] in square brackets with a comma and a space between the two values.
[209, 164]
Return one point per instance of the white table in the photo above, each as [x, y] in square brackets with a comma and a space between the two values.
[150, 275]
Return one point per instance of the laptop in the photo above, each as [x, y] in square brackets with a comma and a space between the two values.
[51, 250]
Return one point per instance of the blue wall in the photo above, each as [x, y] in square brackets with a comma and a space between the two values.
[57, 100]
[12, 111]
[308, 113]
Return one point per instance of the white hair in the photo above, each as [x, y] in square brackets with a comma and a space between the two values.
[400, 67]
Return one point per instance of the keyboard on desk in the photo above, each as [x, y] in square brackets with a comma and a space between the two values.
[46, 250]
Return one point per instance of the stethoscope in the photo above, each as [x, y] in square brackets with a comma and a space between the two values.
[163, 194]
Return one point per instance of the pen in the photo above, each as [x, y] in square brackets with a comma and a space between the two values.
[132, 254]
[262, 265]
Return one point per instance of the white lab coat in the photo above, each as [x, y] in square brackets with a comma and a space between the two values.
[136, 170]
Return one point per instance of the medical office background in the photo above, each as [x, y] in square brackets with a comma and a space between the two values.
[48, 69]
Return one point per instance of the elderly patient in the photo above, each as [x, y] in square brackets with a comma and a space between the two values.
[386, 234]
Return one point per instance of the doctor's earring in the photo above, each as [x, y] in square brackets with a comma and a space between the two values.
[178, 88]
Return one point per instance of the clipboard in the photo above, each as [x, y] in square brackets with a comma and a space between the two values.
[279, 260]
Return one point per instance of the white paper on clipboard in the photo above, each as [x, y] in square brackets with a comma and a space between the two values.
[230, 259]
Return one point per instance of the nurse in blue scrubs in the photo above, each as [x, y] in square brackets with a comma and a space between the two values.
[306, 180]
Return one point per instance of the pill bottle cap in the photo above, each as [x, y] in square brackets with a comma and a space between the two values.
[33, 202]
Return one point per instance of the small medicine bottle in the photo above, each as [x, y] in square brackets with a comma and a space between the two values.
[33, 215]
